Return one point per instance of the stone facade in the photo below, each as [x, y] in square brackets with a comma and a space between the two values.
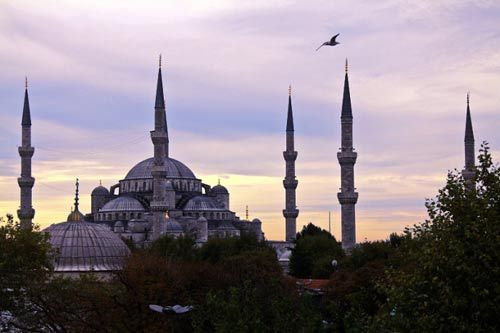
[290, 182]
[347, 158]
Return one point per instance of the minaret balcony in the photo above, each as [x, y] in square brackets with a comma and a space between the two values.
[290, 155]
[26, 151]
[347, 197]
[347, 157]
[26, 181]
[159, 137]
[293, 213]
[26, 213]
[290, 183]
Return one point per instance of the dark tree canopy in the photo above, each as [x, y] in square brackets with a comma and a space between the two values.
[455, 281]
[314, 251]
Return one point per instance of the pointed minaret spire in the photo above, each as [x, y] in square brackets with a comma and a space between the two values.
[347, 158]
[26, 121]
[25, 213]
[468, 172]
[346, 102]
[290, 182]
[289, 119]
[160, 100]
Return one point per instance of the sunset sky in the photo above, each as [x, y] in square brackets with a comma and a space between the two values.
[92, 68]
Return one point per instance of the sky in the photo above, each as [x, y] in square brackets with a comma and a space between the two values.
[227, 65]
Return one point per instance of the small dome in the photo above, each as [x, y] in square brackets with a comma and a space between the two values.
[85, 246]
[122, 204]
[256, 221]
[75, 216]
[200, 202]
[100, 191]
[219, 189]
[118, 224]
[202, 219]
[175, 169]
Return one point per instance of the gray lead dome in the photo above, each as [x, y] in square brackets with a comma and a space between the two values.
[175, 169]
[84, 246]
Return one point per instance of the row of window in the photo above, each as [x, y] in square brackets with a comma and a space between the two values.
[210, 215]
[117, 216]
[147, 186]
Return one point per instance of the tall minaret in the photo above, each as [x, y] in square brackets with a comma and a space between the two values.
[468, 172]
[347, 158]
[25, 213]
[290, 182]
[159, 137]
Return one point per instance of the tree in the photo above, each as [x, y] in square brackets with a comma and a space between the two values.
[25, 259]
[313, 253]
[454, 284]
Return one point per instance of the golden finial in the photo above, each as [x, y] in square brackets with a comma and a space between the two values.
[26, 82]
[100, 182]
[160, 61]
[346, 66]
[246, 213]
[218, 182]
[290, 90]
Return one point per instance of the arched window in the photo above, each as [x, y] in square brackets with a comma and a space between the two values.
[144, 186]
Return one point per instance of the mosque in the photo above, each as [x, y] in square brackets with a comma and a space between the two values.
[162, 196]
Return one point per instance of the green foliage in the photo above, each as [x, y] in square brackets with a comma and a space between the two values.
[182, 247]
[246, 308]
[353, 297]
[216, 249]
[313, 253]
[25, 259]
[454, 282]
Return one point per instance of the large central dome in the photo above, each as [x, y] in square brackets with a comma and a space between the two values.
[175, 169]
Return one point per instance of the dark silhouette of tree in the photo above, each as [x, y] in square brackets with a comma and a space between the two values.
[314, 251]
[454, 284]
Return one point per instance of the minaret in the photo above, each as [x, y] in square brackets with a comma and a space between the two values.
[159, 137]
[290, 182]
[25, 213]
[468, 172]
[347, 158]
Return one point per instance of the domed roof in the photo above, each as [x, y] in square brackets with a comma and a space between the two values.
[175, 169]
[219, 189]
[121, 204]
[85, 246]
[100, 190]
[75, 216]
[200, 202]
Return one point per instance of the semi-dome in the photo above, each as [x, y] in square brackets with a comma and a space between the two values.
[100, 190]
[122, 204]
[175, 169]
[219, 189]
[202, 203]
[85, 246]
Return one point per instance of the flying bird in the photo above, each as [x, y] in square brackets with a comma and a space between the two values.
[331, 42]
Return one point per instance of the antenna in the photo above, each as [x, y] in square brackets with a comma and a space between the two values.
[246, 213]
[330, 222]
